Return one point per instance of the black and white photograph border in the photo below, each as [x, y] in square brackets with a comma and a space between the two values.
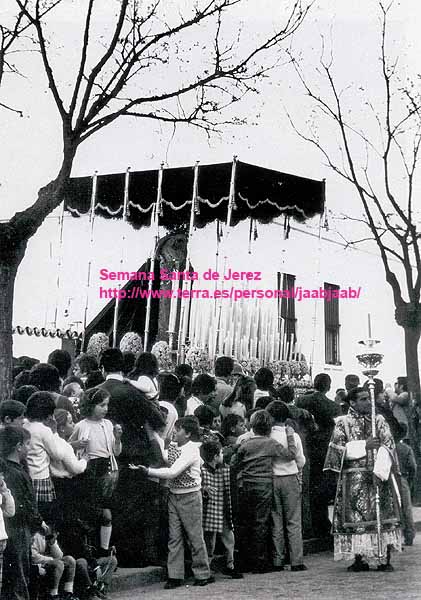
[207, 178]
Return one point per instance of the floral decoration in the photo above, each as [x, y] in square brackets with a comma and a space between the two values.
[250, 365]
[97, 344]
[163, 354]
[131, 342]
[198, 359]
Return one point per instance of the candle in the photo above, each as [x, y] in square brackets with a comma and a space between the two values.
[369, 326]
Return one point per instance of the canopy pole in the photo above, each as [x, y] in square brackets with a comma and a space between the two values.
[123, 244]
[91, 242]
[155, 222]
[184, 313]
[231, 205]
[59, 263]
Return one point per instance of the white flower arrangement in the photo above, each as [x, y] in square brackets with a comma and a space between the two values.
[98, 342]
[289, 370]
[163, 354]
[250, 365]
[198, 359]
[131, 342]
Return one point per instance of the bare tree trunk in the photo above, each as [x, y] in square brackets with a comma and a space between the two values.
[8, 270]
[408, 316]
[14, 236]
[412, 337]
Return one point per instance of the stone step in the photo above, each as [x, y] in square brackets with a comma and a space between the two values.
[127, 579]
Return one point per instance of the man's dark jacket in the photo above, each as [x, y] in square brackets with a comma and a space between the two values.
[129, 408]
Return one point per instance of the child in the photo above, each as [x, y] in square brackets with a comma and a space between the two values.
[103, 445]
[408, 468]
[253, 463]
[93, 575]
[205, 415]
[184, 504]
[217, 517]
[46, 554]
[7, 509]
[241, 398]
[12, 412]
[42, 449]
[144, 374]
[14, 446]
[63, 472]
[231, 428]
[286, 495]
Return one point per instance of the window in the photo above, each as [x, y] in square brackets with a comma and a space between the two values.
[332, 326]
[286, 310]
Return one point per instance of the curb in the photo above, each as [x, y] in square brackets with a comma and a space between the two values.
[128, 579]
[131, 578]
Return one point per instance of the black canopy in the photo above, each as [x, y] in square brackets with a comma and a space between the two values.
[260, 193]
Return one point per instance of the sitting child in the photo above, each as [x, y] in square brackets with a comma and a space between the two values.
[217, 513]
[48, 557]
[184, 504]
[93, 574]
[253, 464]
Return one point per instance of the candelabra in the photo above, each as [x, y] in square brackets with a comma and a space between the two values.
[370, 360]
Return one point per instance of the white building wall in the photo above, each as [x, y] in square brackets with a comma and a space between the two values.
[313, 262]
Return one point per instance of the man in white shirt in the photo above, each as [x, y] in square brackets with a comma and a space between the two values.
[203, 392]
[286, 494]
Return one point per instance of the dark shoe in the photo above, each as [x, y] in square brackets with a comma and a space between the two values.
[298, 568]
[385, 568]
[203, 582]
[277, 568]
[233, 573]
[68, 596]
[173, 583]
[98, 593]
[358, 567]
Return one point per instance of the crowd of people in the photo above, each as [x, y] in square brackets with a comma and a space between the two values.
[114, 462]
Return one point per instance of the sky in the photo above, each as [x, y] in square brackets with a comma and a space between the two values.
[31, 148]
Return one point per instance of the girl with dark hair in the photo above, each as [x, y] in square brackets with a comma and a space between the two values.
[43, 448]
[103, 445]
[144, 374]
[241, 398]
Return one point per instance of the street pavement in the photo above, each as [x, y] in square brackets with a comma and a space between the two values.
[324, 580]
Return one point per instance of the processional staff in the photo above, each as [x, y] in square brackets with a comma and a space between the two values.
[123, 244]
[370, 360]
[231, 205]
[155, 226]
[184, 314]
[91, 243]
[59, 262]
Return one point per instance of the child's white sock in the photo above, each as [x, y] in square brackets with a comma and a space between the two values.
[105, 536]
[68, 587]
[54, 592]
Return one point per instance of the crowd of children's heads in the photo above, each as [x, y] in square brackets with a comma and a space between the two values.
[49, 395]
